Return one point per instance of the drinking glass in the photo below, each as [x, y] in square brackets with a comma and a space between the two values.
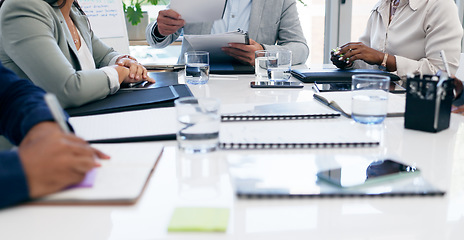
[369, 98]
[197, 67]
[279, 65]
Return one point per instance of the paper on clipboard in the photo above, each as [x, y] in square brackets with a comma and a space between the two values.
[199, 10]
[213, 43]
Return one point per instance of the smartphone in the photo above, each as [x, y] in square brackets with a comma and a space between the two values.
[346, 86]
[269, 84]
[359, 175]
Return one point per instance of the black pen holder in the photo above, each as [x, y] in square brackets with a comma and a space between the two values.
[428, 107]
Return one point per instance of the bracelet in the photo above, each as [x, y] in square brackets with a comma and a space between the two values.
[383, 65]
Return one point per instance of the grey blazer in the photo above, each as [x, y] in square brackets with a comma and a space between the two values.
[36, 44]
[273, 23]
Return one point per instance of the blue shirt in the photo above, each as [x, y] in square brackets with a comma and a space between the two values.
[236, 15]
[21, 107]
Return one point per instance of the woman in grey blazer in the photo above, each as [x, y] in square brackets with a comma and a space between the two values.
[51, 43]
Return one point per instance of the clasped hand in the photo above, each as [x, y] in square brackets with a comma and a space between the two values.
[136, 71]
[344, 56]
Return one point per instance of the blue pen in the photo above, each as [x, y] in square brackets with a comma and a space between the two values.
[57, 111]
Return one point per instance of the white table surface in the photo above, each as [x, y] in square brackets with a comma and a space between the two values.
[202, 180]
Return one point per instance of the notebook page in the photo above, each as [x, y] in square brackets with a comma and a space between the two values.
[120, 178]
[157, 121]
[339, 131]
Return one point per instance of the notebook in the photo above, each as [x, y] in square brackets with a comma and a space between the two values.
[159, 124]
[335, 75]
[133, 100]
[120, 180]
[231, 68]
[289, 134]
[294, 176]
[276, 111]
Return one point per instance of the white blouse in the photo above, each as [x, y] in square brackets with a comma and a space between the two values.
[88, 63]
[419, 30]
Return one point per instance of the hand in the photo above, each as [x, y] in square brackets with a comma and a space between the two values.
[358, 51]
[243, 52]
[169, 21]
[335, 58]
[137, 72]
[53, 160]
[459, 110]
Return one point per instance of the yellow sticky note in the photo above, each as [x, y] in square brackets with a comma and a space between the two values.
[199, 219]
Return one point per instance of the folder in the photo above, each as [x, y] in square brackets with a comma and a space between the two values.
[133, 100]
[335, 75]
[120, 180]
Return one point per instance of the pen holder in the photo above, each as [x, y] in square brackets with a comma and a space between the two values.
[428, 107]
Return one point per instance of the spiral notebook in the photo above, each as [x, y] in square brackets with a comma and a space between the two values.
[321, 133]
[295, 176]
[276, 111]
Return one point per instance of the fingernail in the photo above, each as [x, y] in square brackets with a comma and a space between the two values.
[337, 52]
[132, 75]
[340, 59]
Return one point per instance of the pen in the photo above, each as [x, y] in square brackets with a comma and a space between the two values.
[57, 111]
[443, 58]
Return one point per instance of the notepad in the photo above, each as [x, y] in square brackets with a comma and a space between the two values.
[289, 134]
[120, 180]
[199, 10]
[276, 111]
[130, 126]
[199, 219]
[294, 176]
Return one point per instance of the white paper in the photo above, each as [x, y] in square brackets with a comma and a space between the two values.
[119, 179]
[396, 103]
[149, 122]
[297, 108]
[213, 43]
[199, 10]
[340, 131]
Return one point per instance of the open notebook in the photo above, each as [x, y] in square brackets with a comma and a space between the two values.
[289, 176]
[120, 180]
[314, 133]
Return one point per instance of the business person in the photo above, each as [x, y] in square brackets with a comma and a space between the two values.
[47, 160]
[406, 36]
[271, 24]
[51, 43]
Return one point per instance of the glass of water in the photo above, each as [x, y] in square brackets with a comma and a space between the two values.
[198, 124]
[197, 67]
[369, 98]
[279, 64]
[260, 64]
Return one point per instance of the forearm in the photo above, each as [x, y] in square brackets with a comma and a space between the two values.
[13, 183]
[157, 42]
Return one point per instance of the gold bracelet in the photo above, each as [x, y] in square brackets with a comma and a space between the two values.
[383, 66]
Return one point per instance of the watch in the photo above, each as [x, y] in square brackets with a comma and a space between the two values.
[383, 65]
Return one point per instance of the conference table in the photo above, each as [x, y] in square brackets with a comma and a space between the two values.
[202, 180]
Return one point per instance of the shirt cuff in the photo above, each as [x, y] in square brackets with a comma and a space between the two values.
[153, 34]
[113, 78]
[113, 60]
[13, 183]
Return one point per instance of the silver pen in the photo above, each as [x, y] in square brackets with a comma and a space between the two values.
[57, 111]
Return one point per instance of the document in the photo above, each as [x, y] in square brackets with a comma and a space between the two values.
[120, 180]
[150, 124]
[199, 10]
[341, 101]
[312, 133]
[213, 43]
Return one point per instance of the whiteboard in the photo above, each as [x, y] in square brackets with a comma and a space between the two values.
[108, 22]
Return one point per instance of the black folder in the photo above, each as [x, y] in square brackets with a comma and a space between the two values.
[336, 75]
[128, 100]
[231, 68]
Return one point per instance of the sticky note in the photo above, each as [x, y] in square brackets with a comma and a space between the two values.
[199, 219]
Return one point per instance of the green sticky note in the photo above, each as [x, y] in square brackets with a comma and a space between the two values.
[199, 219]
